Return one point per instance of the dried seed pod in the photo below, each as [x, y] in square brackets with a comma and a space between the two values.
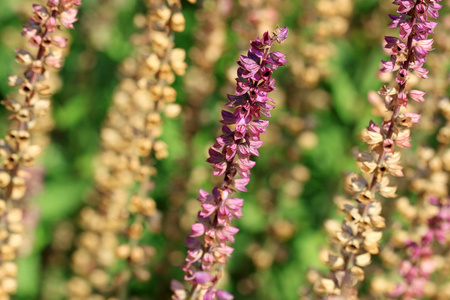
[177, 22]
[123, 251]
[5, 179]
[130, 143]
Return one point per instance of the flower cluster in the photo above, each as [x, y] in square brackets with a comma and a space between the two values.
[416, 270]
[230, 156]
[19, 149]
[428, 180]
[329, 21]
[122, 211]
[358, 238]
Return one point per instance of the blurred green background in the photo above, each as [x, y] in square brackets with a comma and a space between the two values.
[307, 150]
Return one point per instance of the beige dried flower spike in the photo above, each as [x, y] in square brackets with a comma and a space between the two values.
[19, 148]
[122, 212]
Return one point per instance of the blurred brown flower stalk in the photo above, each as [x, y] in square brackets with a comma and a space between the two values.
[121, 212]
[103, 18]
[323, 22]
[27, 108]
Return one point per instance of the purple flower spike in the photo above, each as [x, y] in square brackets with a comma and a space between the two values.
[230, 157]
[414, 28]
[419, 266]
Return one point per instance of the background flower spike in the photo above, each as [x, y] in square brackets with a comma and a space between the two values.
[360, 235]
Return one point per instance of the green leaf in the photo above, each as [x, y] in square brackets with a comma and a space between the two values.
[29, 277]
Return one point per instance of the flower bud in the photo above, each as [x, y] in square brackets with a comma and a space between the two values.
[177, 22]
[5, 179]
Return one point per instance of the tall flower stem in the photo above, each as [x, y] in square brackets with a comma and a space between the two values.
[230, 156]
[110, 250]
[358, 237]
[19, 149]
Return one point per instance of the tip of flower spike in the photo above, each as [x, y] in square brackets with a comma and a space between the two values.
[281, 34]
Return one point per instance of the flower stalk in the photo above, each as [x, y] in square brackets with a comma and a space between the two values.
[122, 211]
[230, 156]
[359, 235]
[19, 148]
